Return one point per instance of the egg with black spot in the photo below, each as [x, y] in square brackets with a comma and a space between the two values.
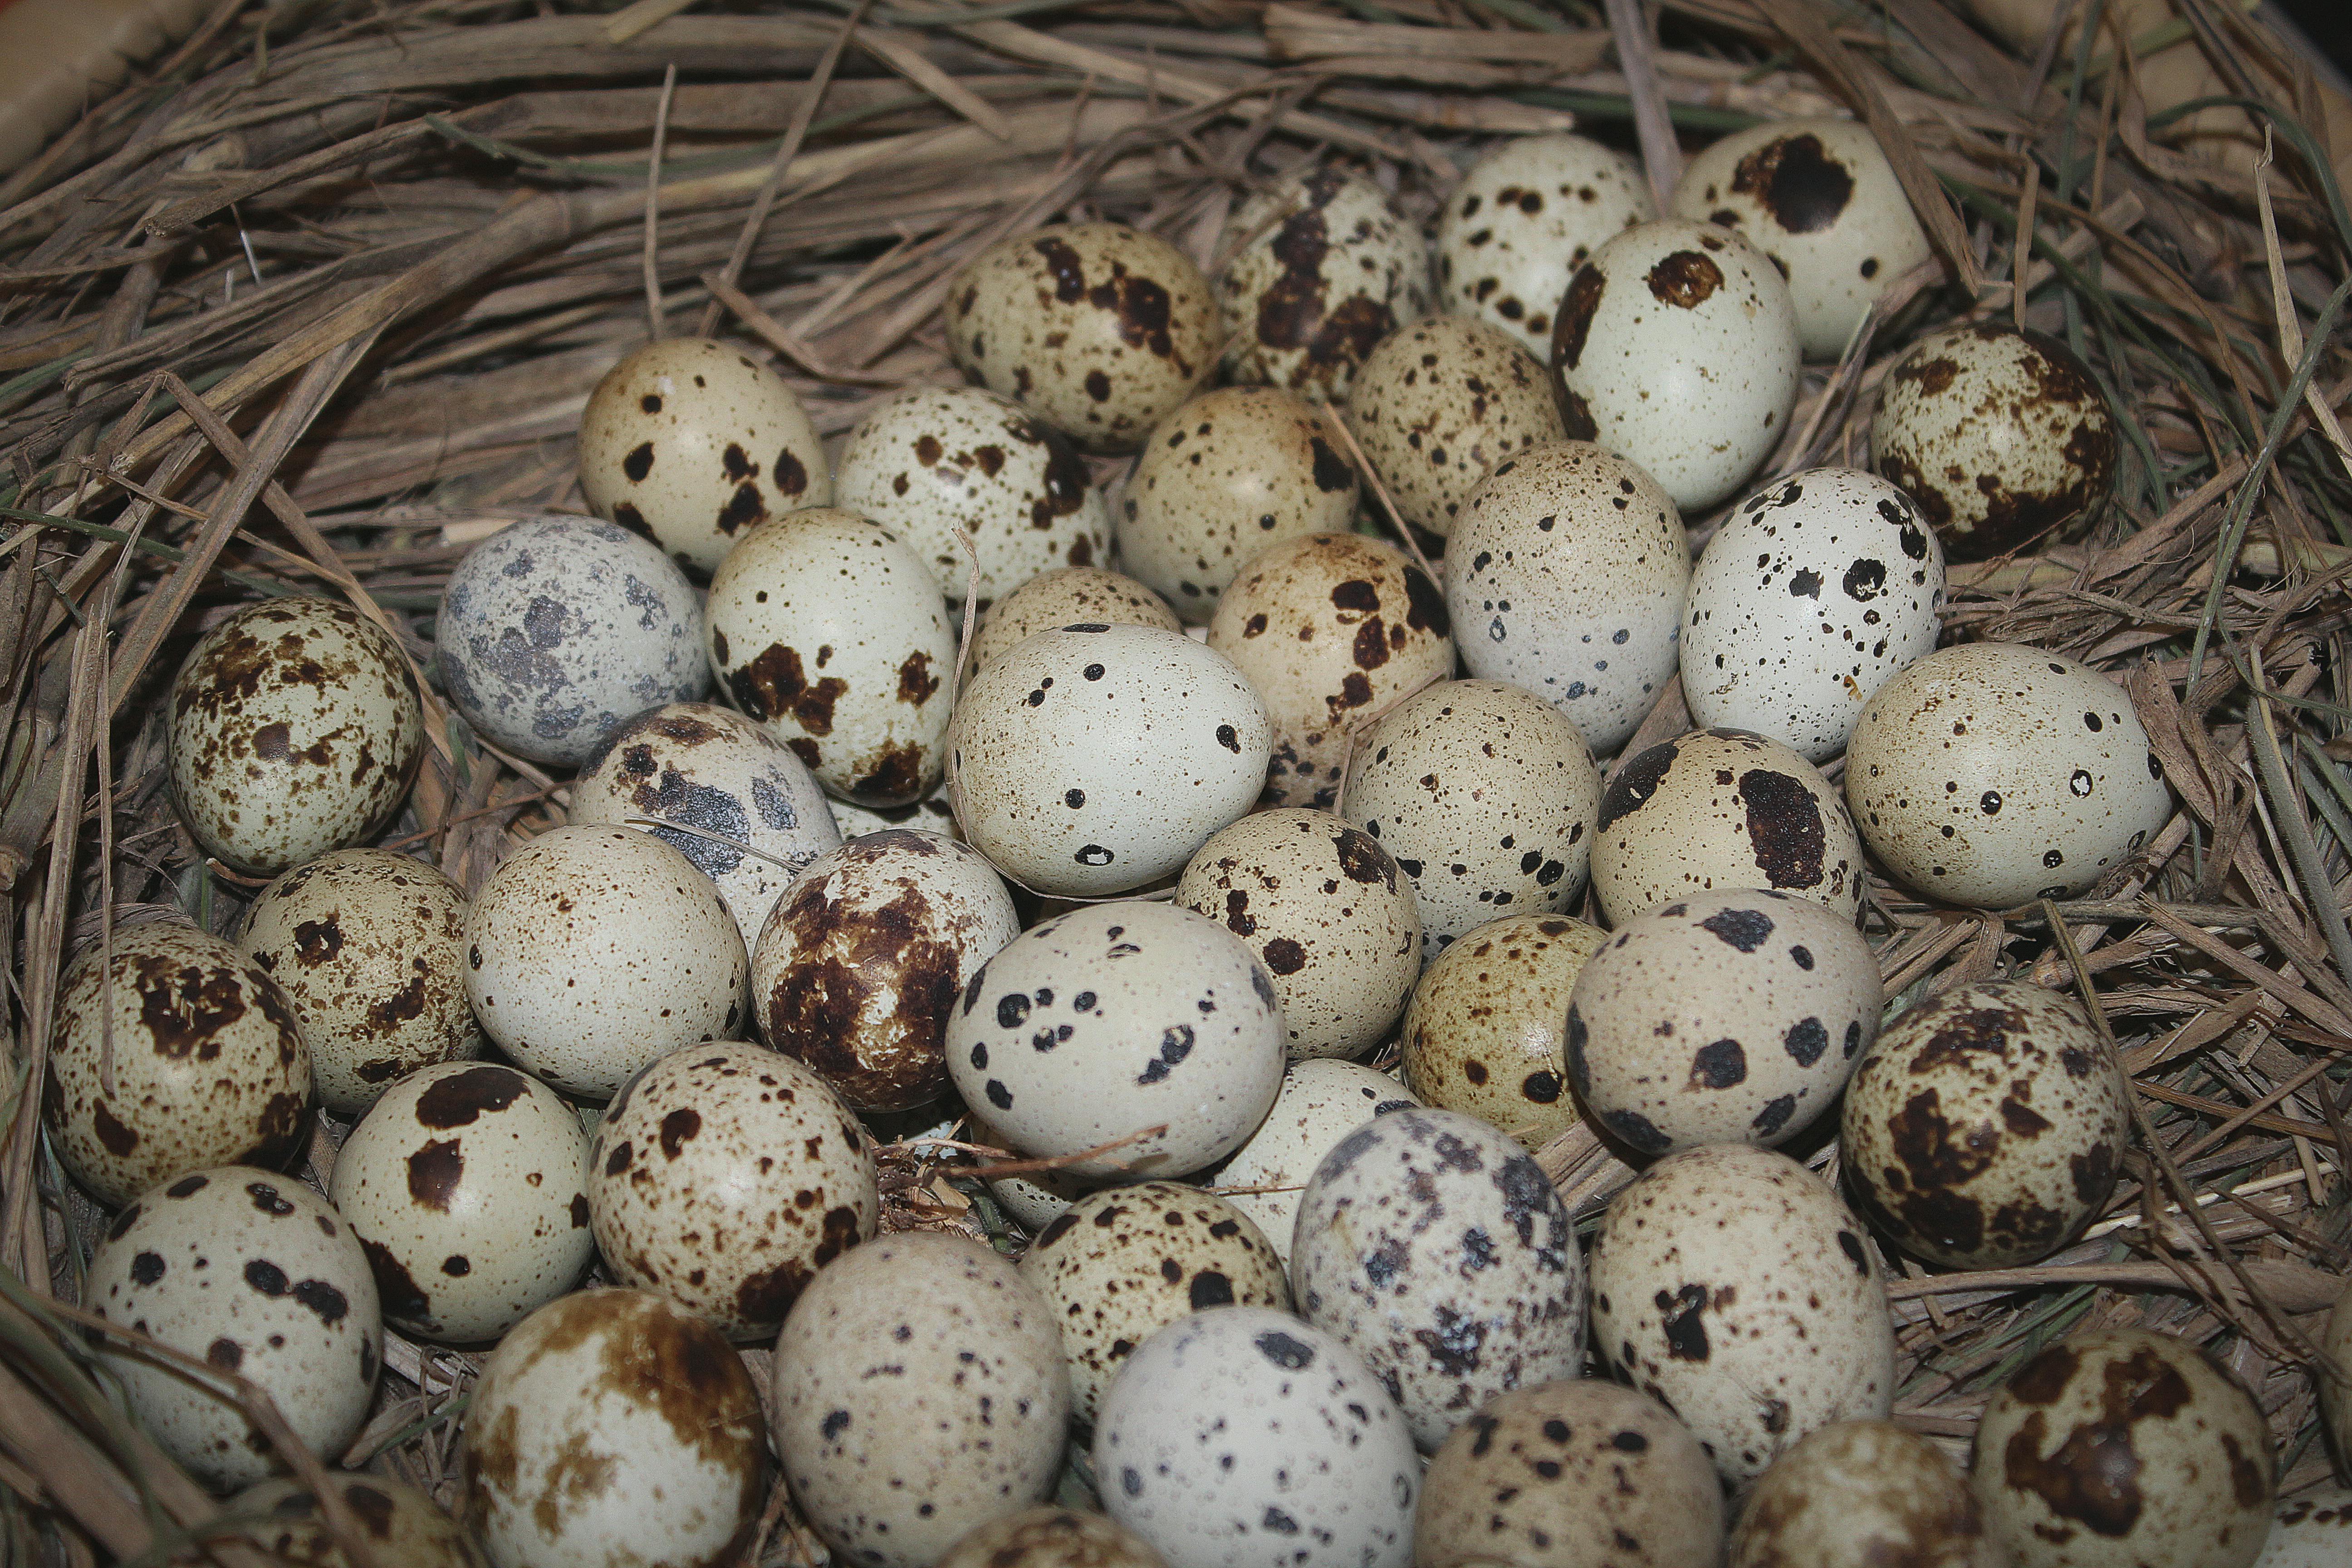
[400, 1526]
[1485, 1033]
[1051, 1537]
[1861, 1494]
[1321, 1102]
[1439, 404]
[2313, 1530]
[1320, 267]
[1068, 595]
[1524, 219]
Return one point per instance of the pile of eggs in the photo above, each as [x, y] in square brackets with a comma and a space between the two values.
[1226, 809]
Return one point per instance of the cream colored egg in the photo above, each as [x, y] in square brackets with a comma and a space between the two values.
[1524, 219]
[1321, 1102]
[400, 1526]
[1438, 404]
[1484, 1034]
[2312, 1530]
[932, 813]
[1068, 595]
[1861, 1494]
[2335, 1388]
[1320, 267]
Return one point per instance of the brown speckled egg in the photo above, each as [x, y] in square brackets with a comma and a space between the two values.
[1050, 1537]
[1986, 1127]
[2001, 436]
[1096, 328]
[2120, 1447]
[1484, 1033]
[1069, 596]
[2312, 1530]
[1321, 269]
[467, 1187]
[614, 1429]
[1438, 404]
[1331, 629]
[1568, 1474]
[1122, 1263]
[1321, 1102]
[209, 1066]
[919, 1392]
[858, 966]
[402, 1527]
[1861, 1494]
[369, 947]
[1229, 475]
[1523, 220]
[295, 724]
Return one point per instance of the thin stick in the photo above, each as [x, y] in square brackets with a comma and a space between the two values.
[653, 207]
[2024, 259]
[1662, 155]
[1347, 438]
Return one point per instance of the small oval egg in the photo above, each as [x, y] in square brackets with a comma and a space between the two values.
[1861, 1494]
[1071, 595]
[402, 1527]
[1321, 269]
[2312, 1530]
[1438, 404]
[1524, 219]
[1321, 1102]
[1484, 1034]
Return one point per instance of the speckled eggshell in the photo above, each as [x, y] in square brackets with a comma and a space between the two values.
[1504, 830]
[1120, 1264]
[251, 1272]
[2310, 1531]
[1677, 346]
[591, 951]
[1986, 1127]
[1097, 759]
[1861, 1494]
[1228, 476]
[467, 1187]
[2000, 436]
[612, 1429]
[1330, 629]
[1438, 404]
[1524, 219]
[209, 1063]
[1818, 198]
[2336, 1391]
[1328, 912]
[1990, 774]
[402, 1527]
[936, 458]
[833, 632]
[1096, 328]
[691, 442]
[1114, 1019]
[1070, 596]
[1051, 1537]
[295, 727]
[1716, 810]
[1815, 590]
[1566, 574]
[554, 630]
[1321, 269]
[1245, 1438]
[1484, 1034]
[1566, 1474]
[932, 813]
[1321, 1102]
[2120, 1447]
[919, 1393]
[1729, 1283]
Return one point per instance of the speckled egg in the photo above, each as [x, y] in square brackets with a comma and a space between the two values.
[1071, 595]
[251, 1272]
[1438, 404]
[295, 729]
[1818, 198]
[1328, 912]
[553, 631]
[1485, 794]
[467, 1187]
[2001, 436]
[1677, 346]
[1231, 474]
[1120, 1264]
[1722, 809]
[1117, 1017]
[2312, 1530]
[1096, 328]
[861, 961]
[2120, 1447]
[1484, 1033]
[207, 1062]
[919, 1393]
[1566, 573]
[934, 459]
[1321, 267]
[833, 632]
[1564, 1474]
[400, 1526]
[1986, 1128]
[612, 1429]
[1991, 773]
[691, 442]
[1729, 1283]
[1096, 758]
[1331, 629]
[1051, 1537]
[2335, 1388]
[1321, 1102]
[1524, 219]
[1244, 1439]
[932, 813]
[591, 950]
[1861, 1494]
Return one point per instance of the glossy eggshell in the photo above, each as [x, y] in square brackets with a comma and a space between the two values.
[833, 632]
[2124, 1447]
[208, 1063]
[1861, 1494]
[295, 729]
[1051, 1537]
[1096, 328]
[1070, 596]
[400, 1527]
[1730, 1283]
[612, 1429]
[1524, 219]
[1321, 269]
[2312, 1530]
[251, 1272]
[1321, 1102]
[919, 1393]
[1484, 1034]
[1991, 773]
[691, 442]
[1438, 404]
[554, 630]
[1565, 573]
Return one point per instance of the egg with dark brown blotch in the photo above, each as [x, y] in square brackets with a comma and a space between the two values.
[1484, 1033]
[1069, 595]
[1861, 1494]
[1441, 403]
[402, 1527]
[1050, 1537]
[2311, 1531]
[1321, 267]
[1320, 1101]
[1523, 220]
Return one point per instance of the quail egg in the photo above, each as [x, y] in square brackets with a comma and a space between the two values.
[1321, 1102]
[1438, 404]
[932, 813]
[1067, 596]
[2336, 1385]
[1861, 1494]
[404, 1528]
[1321, 267]
[2312, 1530]
[1050, 1537]
[1524, 219]
[1483, 1034]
